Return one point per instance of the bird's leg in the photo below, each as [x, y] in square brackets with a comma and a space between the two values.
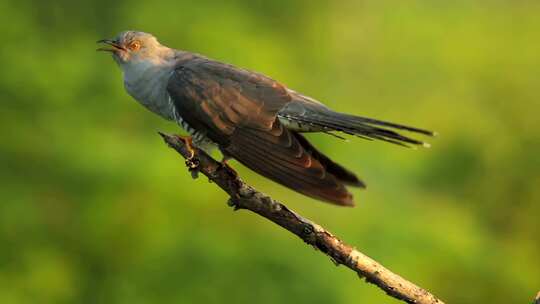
[188, 141]
[224, 164]
[191, 161]
[233, 182]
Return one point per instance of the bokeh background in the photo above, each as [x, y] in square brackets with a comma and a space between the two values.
[94, 208]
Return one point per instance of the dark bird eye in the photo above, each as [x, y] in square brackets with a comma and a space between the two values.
[134, 46]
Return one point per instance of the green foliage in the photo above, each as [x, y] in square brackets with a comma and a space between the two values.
[96, 209]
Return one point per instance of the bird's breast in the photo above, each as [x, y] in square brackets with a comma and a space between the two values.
[148, 85]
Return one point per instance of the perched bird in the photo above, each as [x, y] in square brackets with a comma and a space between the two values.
[248, 116]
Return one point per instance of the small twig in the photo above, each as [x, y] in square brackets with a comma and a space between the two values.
[244, 196]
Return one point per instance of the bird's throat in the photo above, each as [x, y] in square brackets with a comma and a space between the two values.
[147, 83]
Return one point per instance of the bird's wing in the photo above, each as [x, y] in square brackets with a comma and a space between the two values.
[220, 98]
[238, 110]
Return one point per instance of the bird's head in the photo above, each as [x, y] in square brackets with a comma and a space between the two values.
[133, 47]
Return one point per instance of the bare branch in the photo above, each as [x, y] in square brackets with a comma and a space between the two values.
[243, 196]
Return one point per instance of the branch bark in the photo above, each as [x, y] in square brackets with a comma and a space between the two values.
[243, 196]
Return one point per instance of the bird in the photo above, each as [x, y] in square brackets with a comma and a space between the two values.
[248, 116]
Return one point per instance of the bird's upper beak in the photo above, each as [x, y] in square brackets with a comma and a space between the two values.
[114, 46]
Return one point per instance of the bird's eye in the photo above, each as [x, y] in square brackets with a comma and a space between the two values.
[134, 46]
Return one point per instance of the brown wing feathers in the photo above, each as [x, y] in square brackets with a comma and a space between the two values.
[342, 174]
[238, 110]
[280, 156]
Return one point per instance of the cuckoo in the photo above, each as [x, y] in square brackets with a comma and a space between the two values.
[248, 116]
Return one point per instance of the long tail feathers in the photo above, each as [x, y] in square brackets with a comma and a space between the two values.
[326, 120]
[372, 128]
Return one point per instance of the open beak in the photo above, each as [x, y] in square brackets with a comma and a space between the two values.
[112, 47]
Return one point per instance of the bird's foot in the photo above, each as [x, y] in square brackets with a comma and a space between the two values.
[192, 162]
[234, 183]
[193, 167]
[188, 141]
[227, 167]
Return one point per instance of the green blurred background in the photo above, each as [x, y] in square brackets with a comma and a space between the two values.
[96, 209]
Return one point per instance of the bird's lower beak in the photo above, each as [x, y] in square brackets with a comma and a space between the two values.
[112, 47]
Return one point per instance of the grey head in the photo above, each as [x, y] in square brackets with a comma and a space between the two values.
[132, 47]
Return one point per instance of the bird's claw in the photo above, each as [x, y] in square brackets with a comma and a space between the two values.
[191, 149]
[193, 166]
[234, 183]
[229, 169]
[192, 162]
[188, 142]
